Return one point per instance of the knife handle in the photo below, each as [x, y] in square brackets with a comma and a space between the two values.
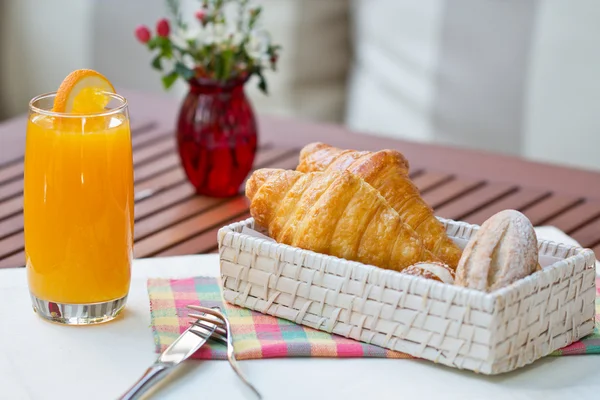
[152, 376]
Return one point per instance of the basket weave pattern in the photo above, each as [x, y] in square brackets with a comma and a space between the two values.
[489, 333]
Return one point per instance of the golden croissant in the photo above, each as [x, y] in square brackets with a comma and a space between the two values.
[333, 213]
[387, 171]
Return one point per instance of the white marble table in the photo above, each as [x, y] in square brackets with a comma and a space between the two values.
[40, 360]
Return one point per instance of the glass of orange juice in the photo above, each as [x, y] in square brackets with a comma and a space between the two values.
[78, 210]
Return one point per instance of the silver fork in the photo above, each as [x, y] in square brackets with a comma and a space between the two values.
[222, 333]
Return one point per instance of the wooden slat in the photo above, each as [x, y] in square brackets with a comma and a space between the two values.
[515, 201]
[174, 214]
[475, 200]
[161, 181]
[194, 205]
[428, 180]
[183, 190]
[156, 149]
[202, 243]
[589, 234]
[181, 231]
[149, 137]
[164, 199]
[11, 188]
[11, 244]
[156, 166]
[9, 162]
[11, 225]
[449, 191]
[16, 260]
[11, 207]
[542, 211]
[276, 158]
[576, 217]
[11, 172]
[141, 127]
[415, 173]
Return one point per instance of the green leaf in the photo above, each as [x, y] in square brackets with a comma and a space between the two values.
[218, 66]
[153, 43]
[262, 82]
[166, 48]
[162, 41]
[254, 14]
[184, 71]
[156, 63]
[168, 52]
[227, 63]
[169, 79]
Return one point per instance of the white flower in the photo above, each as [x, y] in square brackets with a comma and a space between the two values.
[182, 36]
[236, 37]
[179, 40]
[217, 34]
[258, 44]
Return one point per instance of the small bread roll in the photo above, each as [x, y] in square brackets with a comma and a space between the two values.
[431, 270]
[503, 251]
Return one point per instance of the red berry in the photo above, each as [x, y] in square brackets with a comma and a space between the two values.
[142, 33]
[163, 28]
[200, 15]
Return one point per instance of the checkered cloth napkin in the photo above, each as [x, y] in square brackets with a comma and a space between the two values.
[256, 335]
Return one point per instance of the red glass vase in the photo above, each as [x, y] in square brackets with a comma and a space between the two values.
[216, 136]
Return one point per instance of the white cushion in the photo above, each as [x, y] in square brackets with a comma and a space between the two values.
[311, 77]
[505, 76]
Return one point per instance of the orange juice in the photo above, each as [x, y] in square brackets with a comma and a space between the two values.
[78, 208]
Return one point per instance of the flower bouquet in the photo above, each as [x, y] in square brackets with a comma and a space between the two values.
[216, 51]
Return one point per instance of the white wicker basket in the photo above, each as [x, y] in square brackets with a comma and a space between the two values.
[463, 328]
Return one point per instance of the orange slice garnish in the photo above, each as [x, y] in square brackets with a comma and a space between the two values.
[83, 92]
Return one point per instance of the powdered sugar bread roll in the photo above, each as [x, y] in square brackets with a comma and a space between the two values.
[503, 251]
[431, 270]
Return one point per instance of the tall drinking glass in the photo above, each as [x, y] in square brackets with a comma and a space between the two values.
[78, 210]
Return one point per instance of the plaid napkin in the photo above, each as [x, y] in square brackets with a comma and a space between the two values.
[256, 335]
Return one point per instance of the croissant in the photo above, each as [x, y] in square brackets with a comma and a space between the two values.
[387, 171]
[333, 213]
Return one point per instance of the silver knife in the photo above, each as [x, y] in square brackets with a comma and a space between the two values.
[180, 350]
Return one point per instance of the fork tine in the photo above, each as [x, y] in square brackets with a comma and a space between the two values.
[213, 320]
[220, 331]
[207, 310]
[218, 337]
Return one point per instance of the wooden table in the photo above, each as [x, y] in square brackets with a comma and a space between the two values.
[171, 220]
